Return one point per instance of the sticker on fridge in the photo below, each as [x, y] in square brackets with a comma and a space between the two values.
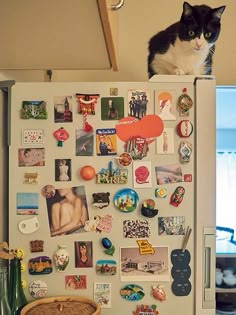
[165, 143]
[165, 106]
[102, 294]
[139, 103]
[67, 211]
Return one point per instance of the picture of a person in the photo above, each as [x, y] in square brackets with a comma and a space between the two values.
[105, 144]
[165, 142]
[68, 213]
[131, 106]
[165, 101]
[83, 254]
[143, 105]
[63, 168]
[112, 111]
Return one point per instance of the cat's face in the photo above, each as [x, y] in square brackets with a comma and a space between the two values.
[200, 26]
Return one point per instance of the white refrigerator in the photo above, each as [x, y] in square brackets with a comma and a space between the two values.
[139, 158]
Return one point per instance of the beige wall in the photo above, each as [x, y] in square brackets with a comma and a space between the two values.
[138, 21]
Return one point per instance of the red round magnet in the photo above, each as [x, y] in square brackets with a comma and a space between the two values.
[184, 128]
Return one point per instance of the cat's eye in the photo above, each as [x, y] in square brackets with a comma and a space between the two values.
[191, 33]
[208, 34]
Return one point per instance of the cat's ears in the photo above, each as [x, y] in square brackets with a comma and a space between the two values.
[187, 10]
[218, 12]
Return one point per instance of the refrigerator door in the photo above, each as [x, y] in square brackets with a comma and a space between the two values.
[189, 289]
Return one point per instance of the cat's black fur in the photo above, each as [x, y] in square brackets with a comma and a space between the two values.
[186, 47]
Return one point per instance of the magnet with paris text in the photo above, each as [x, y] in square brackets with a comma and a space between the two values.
[40, 265]
[112, 175]
[177, 196]
[185, 151]
[61, 136]
[184, 128]
[38, 289]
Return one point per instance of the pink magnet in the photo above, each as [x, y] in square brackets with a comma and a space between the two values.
[184, 128]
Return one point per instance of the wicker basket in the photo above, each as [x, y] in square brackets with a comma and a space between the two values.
[62, 305]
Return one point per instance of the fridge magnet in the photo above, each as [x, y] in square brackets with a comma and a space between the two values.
[148, 208]
[180, 258]
[67, 211]
[112, 175]
[132, 292]
[126, 200]
[184, 128]
[165, 143]
[36, 246]
[164, 108]
[136, 228]
[171, 225]
[38, 289]
[102, 294]
[146, 309]
[112, 108]
[145, 248]
[177, 196]
[76, 282]
[185, 103]
[84, 143]
[142, 174]
[139, 103]
[124, 159]
[31, 178]
[63, 109]
[109, 247]
[34, 109]
[113, 91]
[181, 288]
[185, 151]
[131, 127]
[31, 157]
[41, 265]
[104, 223]
[137, 147]
[101, 199]
[87, 172]
[83, 254]
[106, 143]
[167, 174]
[91, 225]
[106, 267]
[188, 178]
[61, 136]
[61, 258]
[29, 226]
[48, 191]
[33, 137]
[63, 170]
[87, 103]
[27, 203]
[136, 267]
[181, 273]
[160, 192]
[158, 293]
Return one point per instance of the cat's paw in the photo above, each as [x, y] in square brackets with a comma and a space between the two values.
[178, 71]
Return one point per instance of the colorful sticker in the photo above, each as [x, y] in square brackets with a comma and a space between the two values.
[106, 143]
[160, 192]
[27, 203]
[136, 228]
[142, 174]
[83, 254]
[164, 108]
[171, 225]
[106, 267]
[112, 108]
[63, 170]
[112, 175]
[32, 137]
[87, 103]
[102, 294]
[84, 143]
[31, 157]
[167, 174]
[40, 265]
[139, 103]
[126, 200]
[63, 109]
[165, 143]
[76, 282]
[34, 109]
[132, 292]
[145, 248]
[136, 267]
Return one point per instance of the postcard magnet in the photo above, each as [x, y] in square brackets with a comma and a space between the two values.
[38, 289]
[34, 109]
[31, 178]
[40, 265]
[102, 294]
[132, 292]
[106, 267]
[74, 282]
[33, 137]
[29, 226]
[126, 200]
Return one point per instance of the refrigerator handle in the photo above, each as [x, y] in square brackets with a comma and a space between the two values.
[209, 268]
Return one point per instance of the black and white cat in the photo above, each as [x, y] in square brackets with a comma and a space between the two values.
[186, 47]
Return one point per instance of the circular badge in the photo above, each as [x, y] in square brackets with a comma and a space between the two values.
[38, 289]
[185, 102]
[184, 128]
[126, 200]
[48, 191]
[124, 159]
